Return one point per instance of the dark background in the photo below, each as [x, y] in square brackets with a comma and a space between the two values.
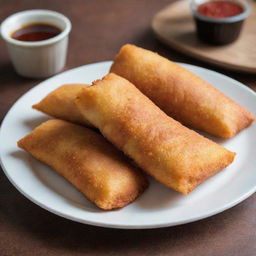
[99, 29]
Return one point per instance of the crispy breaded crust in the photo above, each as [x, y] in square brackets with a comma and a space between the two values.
[180, 93]
[60, 104]
[173, 154]
[86, 160]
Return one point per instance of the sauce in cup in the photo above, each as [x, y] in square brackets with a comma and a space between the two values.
[35, 32]
[219, 22]
[219, 9]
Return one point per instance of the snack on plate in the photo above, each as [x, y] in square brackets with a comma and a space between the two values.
[173, 154]
[180, 93]
[60, 104]
[86, 160]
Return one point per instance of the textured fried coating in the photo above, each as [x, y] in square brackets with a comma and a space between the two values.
[88, 161]
[181, 94]
[173, 154]
[60, 104]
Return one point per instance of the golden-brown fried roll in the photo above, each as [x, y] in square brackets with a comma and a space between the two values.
[174, 155]
[86, 160]
[180, 93]
[60, 104]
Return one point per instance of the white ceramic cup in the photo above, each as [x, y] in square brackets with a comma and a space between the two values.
[39, 58]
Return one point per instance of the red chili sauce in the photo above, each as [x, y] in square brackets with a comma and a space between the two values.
[36, 32]
[219, 9]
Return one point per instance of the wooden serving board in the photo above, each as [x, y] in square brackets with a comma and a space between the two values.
[174, 25]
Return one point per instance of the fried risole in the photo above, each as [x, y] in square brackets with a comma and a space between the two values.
[173, 154]
[180, 93]
[88, 161]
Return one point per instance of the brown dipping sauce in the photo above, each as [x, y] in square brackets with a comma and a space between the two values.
[36, 32]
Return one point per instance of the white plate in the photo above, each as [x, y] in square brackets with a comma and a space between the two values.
[158, 206]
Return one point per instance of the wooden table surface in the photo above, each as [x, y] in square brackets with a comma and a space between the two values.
[99, 29]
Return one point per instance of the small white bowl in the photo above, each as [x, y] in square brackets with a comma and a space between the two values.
[40, 58]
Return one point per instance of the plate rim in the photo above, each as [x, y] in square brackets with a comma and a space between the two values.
[118, 226]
